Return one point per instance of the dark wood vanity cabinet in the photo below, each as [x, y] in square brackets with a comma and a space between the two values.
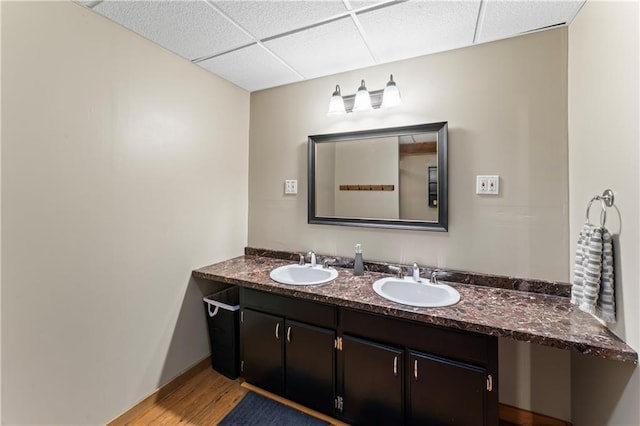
[310, 367]
[263, 350]
[445, 392]
[372, 382]
[366, 368]
[287, 347]
[449, 377]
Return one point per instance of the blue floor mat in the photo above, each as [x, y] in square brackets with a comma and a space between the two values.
[255, 409]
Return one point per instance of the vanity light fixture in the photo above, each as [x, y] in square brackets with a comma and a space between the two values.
[364, 100]
[336, 104]
[391, 95]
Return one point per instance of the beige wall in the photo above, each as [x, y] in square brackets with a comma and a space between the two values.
[506, 107]
[124, 167]
[367, 162]
[506, 104]
[0, 212]
[603, 153]
[414, 187]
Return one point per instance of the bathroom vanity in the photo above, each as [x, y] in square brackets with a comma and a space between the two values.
[366, 368]
[343, 350]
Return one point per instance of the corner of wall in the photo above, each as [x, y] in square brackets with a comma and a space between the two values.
[0, 212]
[603, 108]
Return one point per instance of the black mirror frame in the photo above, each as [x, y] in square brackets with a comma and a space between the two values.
[442, 225]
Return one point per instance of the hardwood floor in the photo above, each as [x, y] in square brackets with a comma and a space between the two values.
[206, 397]
[203, 400]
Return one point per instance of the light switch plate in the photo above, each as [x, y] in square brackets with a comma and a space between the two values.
[488, 185]
[290, 186]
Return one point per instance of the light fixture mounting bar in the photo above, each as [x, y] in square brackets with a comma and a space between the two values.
[376, 100]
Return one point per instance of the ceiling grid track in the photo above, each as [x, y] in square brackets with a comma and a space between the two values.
[365, 39]
[235, 49]
[478, 28]
[278, 58]
[249, 34]
[331, 19]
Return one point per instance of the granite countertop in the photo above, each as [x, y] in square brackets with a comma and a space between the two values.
[543, 319]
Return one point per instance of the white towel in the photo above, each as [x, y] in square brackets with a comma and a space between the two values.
[593, 282]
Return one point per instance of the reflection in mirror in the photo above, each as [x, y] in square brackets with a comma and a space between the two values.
[392, 177]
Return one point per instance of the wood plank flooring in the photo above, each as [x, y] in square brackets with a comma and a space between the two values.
[203, 400]
[207, 397]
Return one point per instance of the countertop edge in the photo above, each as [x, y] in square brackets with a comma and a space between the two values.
[625, 354]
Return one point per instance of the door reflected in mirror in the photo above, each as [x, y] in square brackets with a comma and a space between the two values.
[393, 177]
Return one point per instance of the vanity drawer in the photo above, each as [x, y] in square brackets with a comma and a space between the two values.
[314, 313]
[462, 346]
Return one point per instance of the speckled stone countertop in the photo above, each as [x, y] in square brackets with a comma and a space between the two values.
[543, 319]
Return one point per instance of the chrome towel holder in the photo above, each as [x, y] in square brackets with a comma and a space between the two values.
[606, 200]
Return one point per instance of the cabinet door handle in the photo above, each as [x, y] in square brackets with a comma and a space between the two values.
[277, 330]
[395, 366]
[288, 334]
[415, 369]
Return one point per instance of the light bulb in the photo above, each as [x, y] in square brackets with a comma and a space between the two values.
[391, 95]
[363, 100]
[336, 104]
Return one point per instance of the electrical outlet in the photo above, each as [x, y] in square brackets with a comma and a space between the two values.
[488, 185]
[290, 186]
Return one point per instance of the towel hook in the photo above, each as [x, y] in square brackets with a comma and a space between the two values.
[607, 196]
[606, 200]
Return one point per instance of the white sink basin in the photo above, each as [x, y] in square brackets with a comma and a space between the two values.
[303, 274]
[422, 294]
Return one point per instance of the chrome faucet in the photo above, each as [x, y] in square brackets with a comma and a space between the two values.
[398, 270]
[416, 273]
[312, 258]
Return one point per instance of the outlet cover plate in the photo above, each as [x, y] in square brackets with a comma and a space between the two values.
[488, 185]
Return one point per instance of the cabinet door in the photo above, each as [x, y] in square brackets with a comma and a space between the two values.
[310, 365]
[445, 392]
[372, 383]
[262, 355]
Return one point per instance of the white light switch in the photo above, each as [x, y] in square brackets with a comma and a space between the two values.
[488, 185]
[290, 186]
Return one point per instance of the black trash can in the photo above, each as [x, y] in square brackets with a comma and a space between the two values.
[222, 310]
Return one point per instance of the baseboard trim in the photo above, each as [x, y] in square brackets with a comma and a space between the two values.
[163, 391]
[520, 417]
[284, 401]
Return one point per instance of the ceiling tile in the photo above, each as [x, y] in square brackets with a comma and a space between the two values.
[416, 28]
[326, 49]
[505, 19]
[192, 29]
[267, 18]
[252, 68]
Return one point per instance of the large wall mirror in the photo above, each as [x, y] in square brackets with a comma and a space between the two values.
[386, 178]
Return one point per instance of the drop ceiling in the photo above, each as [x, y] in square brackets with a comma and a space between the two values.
[261, 44]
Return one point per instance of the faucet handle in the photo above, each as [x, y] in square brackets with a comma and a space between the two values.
[433, 277]
[327, 261]
[398, 270]
[301, 261]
